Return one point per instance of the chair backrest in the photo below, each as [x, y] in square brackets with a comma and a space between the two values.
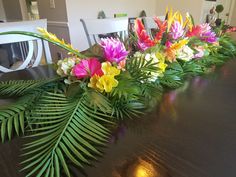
[150, 24]
[32, 49]
[95, 27]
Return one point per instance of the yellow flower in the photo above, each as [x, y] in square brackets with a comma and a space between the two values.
[179, 45]
[188, 22]
[162, 66]
[109, 70]
[106, 82]
[93, 82]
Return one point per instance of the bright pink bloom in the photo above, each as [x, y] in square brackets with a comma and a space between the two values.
[168, 44]
[114, 50]
[204, 32]
[176, 30]
[87, 68]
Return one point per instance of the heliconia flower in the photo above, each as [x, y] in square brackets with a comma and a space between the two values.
[144, 40]
[186, 53]
[87, 68]
[114, 50]
[171, 51]
[176, 30]
[162, 26]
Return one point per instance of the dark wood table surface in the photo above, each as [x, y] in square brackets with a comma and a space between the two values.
[191, 133]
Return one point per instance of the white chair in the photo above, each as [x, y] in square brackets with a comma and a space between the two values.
[95, 27]
[32, 49]
[150, 24]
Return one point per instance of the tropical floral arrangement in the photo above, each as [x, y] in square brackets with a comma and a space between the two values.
[69, 118]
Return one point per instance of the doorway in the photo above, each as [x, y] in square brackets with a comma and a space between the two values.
[209, 4]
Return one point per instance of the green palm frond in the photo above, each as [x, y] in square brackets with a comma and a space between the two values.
[20, 87]
[127, 108]
[173, 76]
[64, 129]
[127, 87]
[192, 68]
[13, 116]
[140, 68]
[151, 94]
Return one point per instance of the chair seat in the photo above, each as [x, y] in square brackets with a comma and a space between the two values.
[25, 51]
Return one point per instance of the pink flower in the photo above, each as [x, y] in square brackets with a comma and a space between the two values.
[176, 30]
[168, 44]
[204, 32]
[200, 52]
[87, 68]
[114, 50]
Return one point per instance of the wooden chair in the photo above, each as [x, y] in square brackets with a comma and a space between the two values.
[150, 24]
[32, 50]
[94, 28]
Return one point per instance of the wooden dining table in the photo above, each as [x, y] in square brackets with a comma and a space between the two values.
[191, 133]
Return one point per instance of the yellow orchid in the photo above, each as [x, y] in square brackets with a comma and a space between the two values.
[93, 82]
[108, 69]
[107, 81]
[103, 83]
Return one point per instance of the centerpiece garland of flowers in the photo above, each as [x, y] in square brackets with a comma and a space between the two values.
[68, 118]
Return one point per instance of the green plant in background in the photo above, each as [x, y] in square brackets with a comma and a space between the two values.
[219, 9]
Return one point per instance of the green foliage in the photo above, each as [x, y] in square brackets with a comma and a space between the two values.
[219, 8]
[173, 76]
[140, 69]
[12, 117]
[21, 87]
[64, 129]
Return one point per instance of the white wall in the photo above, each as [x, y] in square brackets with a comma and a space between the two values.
[12, 10]
[2, 11]
[89, 9]
[57, 22]
[194, 7]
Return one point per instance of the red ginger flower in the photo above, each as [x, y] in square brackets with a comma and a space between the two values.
[162, 26]
[144, 40]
